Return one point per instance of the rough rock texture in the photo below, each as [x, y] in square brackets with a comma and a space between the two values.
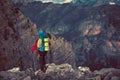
[61, 52]
[17, 36]
[109, 74]
[93, 31]
[54, 72]
[61, 72]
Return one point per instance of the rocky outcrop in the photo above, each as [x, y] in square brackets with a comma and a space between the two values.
[54, 72]
[17, 37]
[61, 72]
[61, 52]
[109, 74]
[93, 31]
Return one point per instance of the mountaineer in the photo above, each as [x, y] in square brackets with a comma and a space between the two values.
[41, 47]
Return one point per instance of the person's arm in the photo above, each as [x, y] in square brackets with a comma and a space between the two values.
[35, 46]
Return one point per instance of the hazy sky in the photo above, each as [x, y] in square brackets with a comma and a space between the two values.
[68, 1]
[73, 1]
[56, 1]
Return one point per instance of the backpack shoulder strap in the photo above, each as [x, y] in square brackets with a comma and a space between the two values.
[39, 43]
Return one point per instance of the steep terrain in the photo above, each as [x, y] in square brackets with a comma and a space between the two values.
[17, 36]
[93, 31]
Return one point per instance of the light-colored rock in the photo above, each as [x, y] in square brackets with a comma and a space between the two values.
[63, 67]
[115, 78]
[16, 69]
[84, 69]
[27, 78]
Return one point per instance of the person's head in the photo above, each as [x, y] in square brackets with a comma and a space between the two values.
[41, 33]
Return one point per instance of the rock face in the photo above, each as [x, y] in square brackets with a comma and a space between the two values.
[17, 36]
[61, 52]
[93, 31]
[17, 32]
[61, 72]
[54, 72]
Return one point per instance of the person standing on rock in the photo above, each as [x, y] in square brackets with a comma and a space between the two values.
[42, 46]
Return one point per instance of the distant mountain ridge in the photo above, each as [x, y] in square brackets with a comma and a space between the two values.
[22, 1]
[75, 2]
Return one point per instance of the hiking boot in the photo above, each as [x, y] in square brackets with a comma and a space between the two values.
[44, 69]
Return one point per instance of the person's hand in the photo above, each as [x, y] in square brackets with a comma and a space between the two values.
[36, 54]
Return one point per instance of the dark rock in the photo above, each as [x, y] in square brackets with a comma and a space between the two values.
[13, 36]
[115, 78]
[93, 31]
[17, 36]
[108, 73]
[54, 72]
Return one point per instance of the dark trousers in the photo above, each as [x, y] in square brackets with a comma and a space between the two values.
[42, 60]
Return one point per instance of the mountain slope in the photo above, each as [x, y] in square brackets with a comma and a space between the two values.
[17, 36]
[16, 32]
[93, 31]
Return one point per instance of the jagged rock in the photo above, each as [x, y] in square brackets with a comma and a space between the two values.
[108, 73]
[92, 31]
[12, 75]
[62, 67]
[54, 72]
[27, 78]
[60, 72]
[16, 69]
[61, 52]
[84, 69]
[16, 38]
